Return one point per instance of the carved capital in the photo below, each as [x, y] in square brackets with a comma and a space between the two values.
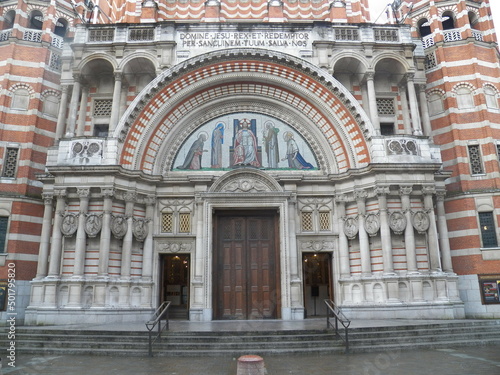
[130, 196]
[107, 192]
[440, 195]
[83, 192]
[405, 190]
[382, 190]
[428, 190]
[360, 195]
[48, 198]
[150, 200]
[60, 192]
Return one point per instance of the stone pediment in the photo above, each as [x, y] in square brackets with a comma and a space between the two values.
[245, 181]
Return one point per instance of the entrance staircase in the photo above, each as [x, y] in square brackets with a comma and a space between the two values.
[47, 341]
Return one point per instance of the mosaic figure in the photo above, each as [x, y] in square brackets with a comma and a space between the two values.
[245, 146]
[217, 142]
[193, 157]
[271, 144]
[295, 159]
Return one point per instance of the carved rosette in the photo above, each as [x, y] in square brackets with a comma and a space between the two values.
[421, 221]
[351, 227]
[93, 224]
[140, 229]
[317, 245]
[175, 247]
[397, 222]
[119, 226]
[372, 224]
[245, 185]
[69, 224]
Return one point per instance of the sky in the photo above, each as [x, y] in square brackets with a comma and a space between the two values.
[377, 6]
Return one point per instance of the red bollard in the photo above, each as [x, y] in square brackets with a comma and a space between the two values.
[251, 365]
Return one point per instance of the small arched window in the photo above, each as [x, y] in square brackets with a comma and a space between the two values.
[8, 19]
[448, 20]
[464, 98]
[473, 20]
[61, 27]
[435, 104]
[491, 97]
[36, 20]
[424, 27]
[51, 105]
[20, 100]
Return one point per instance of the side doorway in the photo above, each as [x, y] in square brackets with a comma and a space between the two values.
[317, 273]
[175, 284]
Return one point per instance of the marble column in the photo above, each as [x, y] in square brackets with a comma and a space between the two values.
[105, 240]
[385, 230]
[81, 236]
[56, 245]
[435, 258]
[424, 110]
[364, 242]
[73, 107]
[405, 109]
[294, 266]
[61, 116]
[115, 109]
[411, 256]
[82, 116]
[147, 261]
[444, 240]
[345, 269]
[126, 263]
[43, 254]
[412, 98]
[372, 100]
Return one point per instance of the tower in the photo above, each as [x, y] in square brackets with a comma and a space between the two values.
[462, 70]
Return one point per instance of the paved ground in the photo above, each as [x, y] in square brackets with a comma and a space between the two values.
[452, 361]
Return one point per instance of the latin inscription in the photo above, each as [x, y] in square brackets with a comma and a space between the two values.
[244, 39]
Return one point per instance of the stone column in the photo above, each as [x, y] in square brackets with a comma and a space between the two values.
[385, 230]
[364, 243]
[411, 256]
[43, 254]
[73, 107]
[81, 236]
[115, 109]
[56, 245]
[404, 109]
[345, 269]
[147, 261]
[435, 258]
[105, 239]
[126, 262]
[424, 109]
[82, 116]
[294, 266]
[61, 116]
[412, 97]
[372, 100]
[444, 240]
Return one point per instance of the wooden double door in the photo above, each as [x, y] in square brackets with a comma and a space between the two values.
[246, 264]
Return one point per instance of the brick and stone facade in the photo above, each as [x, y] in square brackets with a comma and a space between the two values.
[146, 121]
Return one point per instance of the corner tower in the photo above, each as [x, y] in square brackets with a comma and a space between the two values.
[462, 69]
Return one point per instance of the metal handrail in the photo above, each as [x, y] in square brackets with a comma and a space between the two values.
[160, 313]
[332, 310]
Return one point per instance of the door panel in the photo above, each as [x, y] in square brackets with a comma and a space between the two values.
[245, 260]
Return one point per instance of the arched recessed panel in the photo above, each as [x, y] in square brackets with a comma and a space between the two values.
[245, 139]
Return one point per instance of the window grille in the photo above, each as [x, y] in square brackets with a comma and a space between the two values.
[5, 35]
[488, 231]
[141, 34]
[385, 106]
[428, 41]
[478, 35]
[452, 35]
[55, 62]
[101, 35]
[307, 221]
[347, 34]
[184, 223]
[4, 221]
[102, 107]
[476, 163]
[386, 35]
[167, 222]
[10, 163]
[33, 36]
[430, 60]
[324, 221]
[498, 151]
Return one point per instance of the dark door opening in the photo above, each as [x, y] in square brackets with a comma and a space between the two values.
[175, 284]
[317, 282]
[246, 266]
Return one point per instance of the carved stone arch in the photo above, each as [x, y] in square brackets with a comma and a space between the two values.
[138, 55]
[97, 56]
[245, 181]
[391, 56]
[350, 54]
[165, 101]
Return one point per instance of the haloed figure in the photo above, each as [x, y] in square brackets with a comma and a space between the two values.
[295, 159]
[245, 146]
[193, 157]
[217, 142]
[271, 144]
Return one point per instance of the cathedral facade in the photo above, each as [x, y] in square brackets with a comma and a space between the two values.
[248, 160]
